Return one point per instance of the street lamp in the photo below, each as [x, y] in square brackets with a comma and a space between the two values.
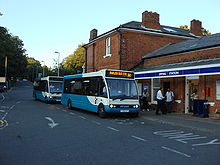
[58, 69]
[43, 67]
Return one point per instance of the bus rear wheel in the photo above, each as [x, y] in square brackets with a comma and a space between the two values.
[69, 104]
[101, 111]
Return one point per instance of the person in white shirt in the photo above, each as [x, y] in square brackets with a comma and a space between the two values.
[169, 99]
[160, 102]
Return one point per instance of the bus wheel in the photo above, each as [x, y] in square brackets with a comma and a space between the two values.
[69, 104]
[35, 97]
[101, 111]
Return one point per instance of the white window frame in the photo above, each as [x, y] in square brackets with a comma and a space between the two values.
[154, 90]
[107, 47]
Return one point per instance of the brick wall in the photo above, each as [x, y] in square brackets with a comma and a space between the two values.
[136, 45]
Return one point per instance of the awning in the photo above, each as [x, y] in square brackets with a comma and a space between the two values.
[194, 68]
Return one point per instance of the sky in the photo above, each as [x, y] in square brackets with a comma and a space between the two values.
[49, 26]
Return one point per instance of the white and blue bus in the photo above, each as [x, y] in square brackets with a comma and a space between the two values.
[103, 92]
[48, 89]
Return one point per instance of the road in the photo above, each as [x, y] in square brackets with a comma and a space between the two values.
[35, 133]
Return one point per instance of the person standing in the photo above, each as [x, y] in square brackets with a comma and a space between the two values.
[160, 102]
[145, 100]
[169, 99]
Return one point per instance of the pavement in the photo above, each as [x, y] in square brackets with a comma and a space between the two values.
[184, 120]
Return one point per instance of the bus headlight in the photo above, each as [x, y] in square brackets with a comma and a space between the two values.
[112, 106]
[135, 106]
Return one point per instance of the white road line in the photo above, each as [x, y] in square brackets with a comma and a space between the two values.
[138, 138]
[82, 117]
[175, 151]
[111, 128]
[71, 113]
[193, 138]
[8, 112]
[52, 124]
[96, 122]
[3, 111]
[64, 110]
[3, 97]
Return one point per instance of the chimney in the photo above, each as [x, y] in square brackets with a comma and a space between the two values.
[93, 34]
[151, 20]
[196, 27]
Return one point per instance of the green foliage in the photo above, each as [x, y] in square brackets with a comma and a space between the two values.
[12, 47]
[204, 31]
[74, 62]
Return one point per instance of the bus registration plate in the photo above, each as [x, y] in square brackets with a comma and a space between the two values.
[124, 110]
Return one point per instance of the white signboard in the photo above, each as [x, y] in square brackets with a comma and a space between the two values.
[218, 90]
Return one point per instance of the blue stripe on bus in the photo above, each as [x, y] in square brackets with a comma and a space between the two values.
[73, 76]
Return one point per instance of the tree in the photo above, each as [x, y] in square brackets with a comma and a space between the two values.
[12, 48]
[204, 31]
[74, 62]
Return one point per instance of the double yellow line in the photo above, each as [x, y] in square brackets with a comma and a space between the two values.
[3, 124]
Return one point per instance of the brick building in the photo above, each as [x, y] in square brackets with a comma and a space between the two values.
[161, 56]
[184, 67]
[124, 46]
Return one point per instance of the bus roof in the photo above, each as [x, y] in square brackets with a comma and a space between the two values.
[53, 78]
[104, 73]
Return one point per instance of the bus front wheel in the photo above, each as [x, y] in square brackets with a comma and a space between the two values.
[101, 111]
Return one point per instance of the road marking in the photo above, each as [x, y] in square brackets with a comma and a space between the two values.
[175, 151]
[96, 122]
[3, 97]
[57, 108]
[8, 112]
[18, 102]
[195, 138]
[138, 138]
[3, 111]
[3, 124]
[71, 113]
[52, 124]
[64, 110]
[113, 129]
[82, 117]
[212, 142]
[178, 135]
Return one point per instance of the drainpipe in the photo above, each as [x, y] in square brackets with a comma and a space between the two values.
[120, 46]
[85, 58]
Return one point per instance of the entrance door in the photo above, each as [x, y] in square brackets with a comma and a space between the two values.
[191, 85]
[166, 85]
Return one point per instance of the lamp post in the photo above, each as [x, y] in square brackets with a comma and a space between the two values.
[58, 68]
[43, 67]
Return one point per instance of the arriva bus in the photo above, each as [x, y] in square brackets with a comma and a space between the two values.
[48, 89]
[103, 92]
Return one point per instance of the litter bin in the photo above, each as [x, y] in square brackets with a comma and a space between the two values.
[199, 108]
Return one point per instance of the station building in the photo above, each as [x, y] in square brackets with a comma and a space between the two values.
[161, 56]
[185, 67]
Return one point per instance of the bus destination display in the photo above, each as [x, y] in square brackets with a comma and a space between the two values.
[119, 74]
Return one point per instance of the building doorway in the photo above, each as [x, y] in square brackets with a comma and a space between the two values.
[191, 86]
[166, 86]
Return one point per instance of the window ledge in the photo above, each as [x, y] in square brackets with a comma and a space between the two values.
[107, 55]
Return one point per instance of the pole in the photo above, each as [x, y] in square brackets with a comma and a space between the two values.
[58, 61]
[6, 65]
